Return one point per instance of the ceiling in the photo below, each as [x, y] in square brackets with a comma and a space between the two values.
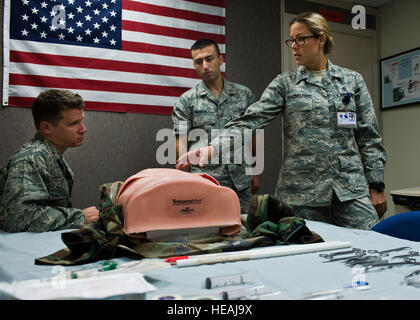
[370, 3]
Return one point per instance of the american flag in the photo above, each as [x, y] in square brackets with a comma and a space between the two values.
[119, 55]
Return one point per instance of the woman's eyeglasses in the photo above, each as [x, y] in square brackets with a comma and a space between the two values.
[299, 41]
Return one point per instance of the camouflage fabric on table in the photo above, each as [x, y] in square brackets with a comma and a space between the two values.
[106, 239]
[103, 239]
[263, 208]
[273, 218]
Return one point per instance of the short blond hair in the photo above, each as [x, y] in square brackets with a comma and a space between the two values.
[318, 26]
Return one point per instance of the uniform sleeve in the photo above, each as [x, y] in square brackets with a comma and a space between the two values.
[181, 116]
[368, 139]
[26, 202]
[251, 98]
[257, 115]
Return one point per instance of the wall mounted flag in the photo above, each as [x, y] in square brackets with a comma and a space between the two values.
[119, 55]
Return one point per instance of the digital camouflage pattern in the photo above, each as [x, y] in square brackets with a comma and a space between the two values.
[198, 108]
[273, 218]
[105, 239]
[320, 157]
[358, 213]
[266, 208]
[35, 190]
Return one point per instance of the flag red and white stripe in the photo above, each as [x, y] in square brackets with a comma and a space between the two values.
[147, 74]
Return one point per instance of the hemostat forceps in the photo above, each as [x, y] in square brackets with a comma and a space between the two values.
[385, 253]
[356, 255]
[410, 254]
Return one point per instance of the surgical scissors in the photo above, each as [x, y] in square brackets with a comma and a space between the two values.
[410, 254]
[366, 260]
[385, 253]
[332, 255]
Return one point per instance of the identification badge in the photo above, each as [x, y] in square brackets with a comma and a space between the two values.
[347, 119]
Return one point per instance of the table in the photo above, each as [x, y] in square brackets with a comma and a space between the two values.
[294, 275]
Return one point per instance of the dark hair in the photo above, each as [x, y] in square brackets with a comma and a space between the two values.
[49, 104]
[202, 43]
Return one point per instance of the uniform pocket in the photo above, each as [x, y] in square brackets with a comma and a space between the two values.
[299, 105]
[298, 115]
[234, 114]
[205, 120]
[349, 162]
[58, 189]
[351, 175]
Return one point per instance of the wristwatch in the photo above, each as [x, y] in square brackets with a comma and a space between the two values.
[378, 186]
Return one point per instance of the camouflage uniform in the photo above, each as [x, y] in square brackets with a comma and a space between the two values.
[35, 190]
[199, 108]
[320, 158]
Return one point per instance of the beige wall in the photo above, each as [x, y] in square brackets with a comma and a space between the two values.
[399, 32]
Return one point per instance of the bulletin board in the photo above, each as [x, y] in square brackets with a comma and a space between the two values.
[400, 79]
